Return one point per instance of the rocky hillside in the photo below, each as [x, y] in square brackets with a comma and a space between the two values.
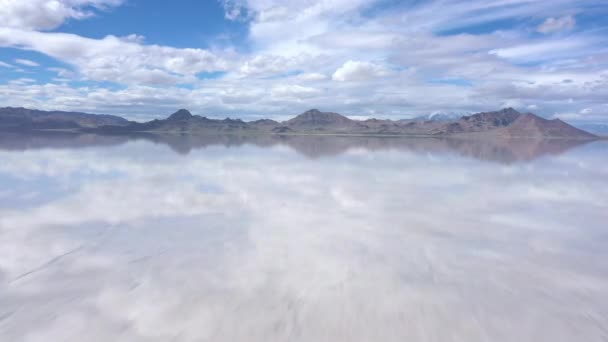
[505, 123]
[25, 119]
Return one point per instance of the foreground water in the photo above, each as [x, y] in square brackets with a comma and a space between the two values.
[301, 239]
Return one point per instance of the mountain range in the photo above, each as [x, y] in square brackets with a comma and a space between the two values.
[26, 119]
[505, 123]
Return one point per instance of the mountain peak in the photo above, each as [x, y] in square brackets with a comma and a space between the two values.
[315, 113]
[315, 117]
[509, 110]
[533, 126]
[182, 114]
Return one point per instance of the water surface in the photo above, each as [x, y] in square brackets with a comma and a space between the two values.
[183, 238]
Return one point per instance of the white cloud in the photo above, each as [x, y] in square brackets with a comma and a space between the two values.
[117, 59]
[5, 65]
[301, 10]
[551, 25]
[284, 27]
[61, 72]
[26, 62]
[294, 90]
[354, 40]
[22, 81]
[545, 50]
[233, 9]
[313, 76]
[357, 71]
[275, 13]
[235, 96]
[265, 64]
[48, 14]
[233, 14]
[270, 64]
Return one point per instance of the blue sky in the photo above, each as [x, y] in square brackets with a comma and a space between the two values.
[269, 58]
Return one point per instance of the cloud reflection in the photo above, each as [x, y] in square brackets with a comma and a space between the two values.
[130, 241]
[495, 150]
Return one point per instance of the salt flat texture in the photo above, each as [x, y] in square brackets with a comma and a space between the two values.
[134, 242]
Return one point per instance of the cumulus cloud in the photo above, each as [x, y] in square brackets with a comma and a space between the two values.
[116, 59]
[357, 71]
[551, 25]
[48, 14]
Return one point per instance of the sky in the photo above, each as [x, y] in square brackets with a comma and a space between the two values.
[270, 58]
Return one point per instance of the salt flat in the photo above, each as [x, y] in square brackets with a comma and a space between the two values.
[326, 239]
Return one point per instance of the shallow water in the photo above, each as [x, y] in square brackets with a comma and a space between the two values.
[176, 238]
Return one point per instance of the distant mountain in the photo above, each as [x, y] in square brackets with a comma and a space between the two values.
[505, 123]
[316, 121]
[487, 121]
[314, 118]
[437, 116]
[25, 119]
[183, 121]
[511, 124]
[180, 115]
[532, 126]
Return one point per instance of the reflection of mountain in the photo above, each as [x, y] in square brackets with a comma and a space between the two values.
[503, 151]
[34, 140]
[496, 150]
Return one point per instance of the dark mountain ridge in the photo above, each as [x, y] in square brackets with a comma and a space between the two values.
[180, 115]
[316, 118]
[23, 119]
[505, 123]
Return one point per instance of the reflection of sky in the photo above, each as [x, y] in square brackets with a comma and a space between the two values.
[137, 243]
